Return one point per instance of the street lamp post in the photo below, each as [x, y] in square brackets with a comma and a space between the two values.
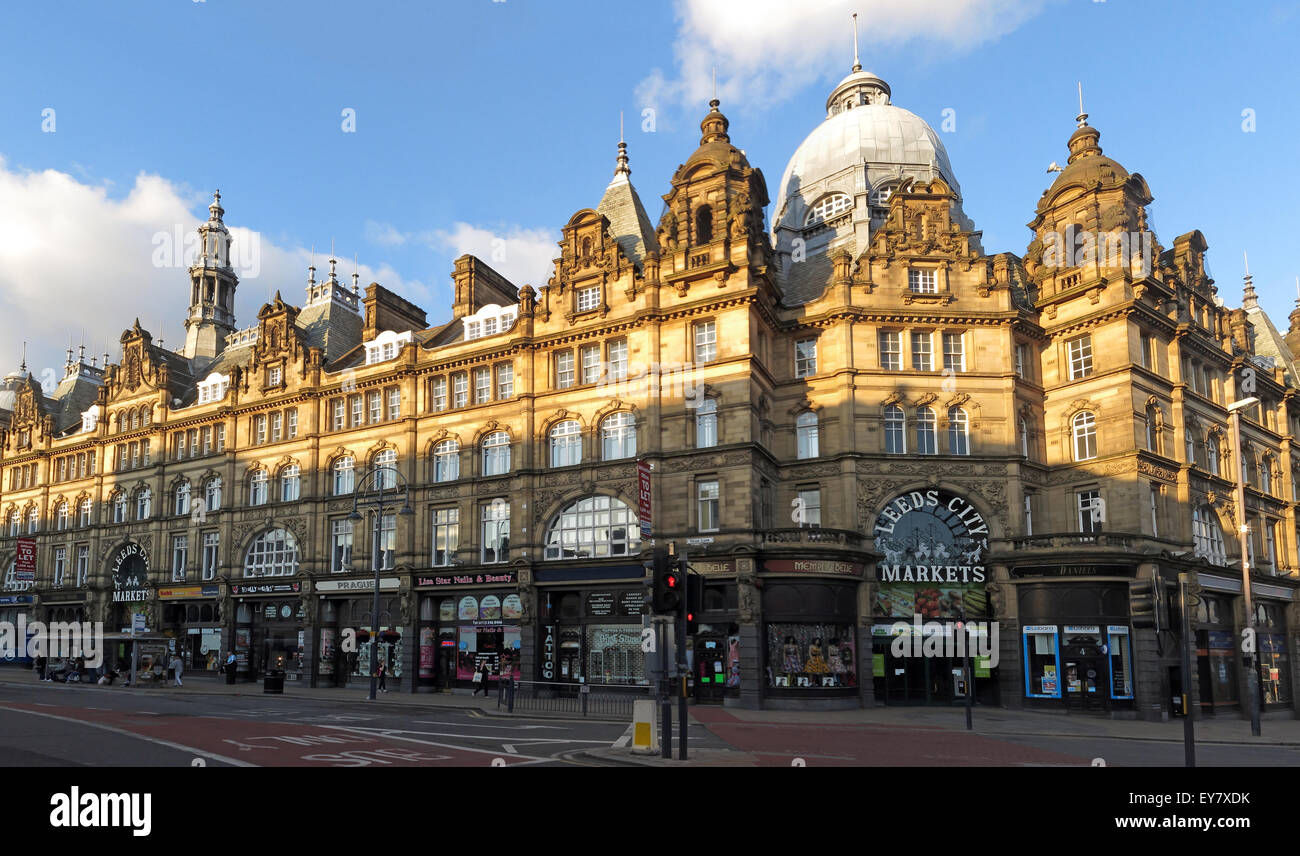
[1243, 531]
[376, 503]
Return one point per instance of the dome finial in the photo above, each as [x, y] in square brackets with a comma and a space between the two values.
[1082, 118]
[715, 125]
[1249, 299]
[622, 170]
[215, 209]
[857, 63]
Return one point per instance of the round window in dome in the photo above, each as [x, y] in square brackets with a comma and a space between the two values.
[828, 207]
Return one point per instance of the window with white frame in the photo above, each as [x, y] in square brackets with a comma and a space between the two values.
[1084, 427]
[564, 369]
[617, 359]
[385, 346]
[290, 483]
[927, 442]
[805, 358]
[958, 431]
[446, 536]
[83, 565]
[482, 385]
[807, 436]
[891, 350]
[828, 207]
[275, 376]
[291, 422]
[1090, 507]
[119, 508]
[895, 430]
[460, 389]
[212, 494]
[597, 527]
[439, 394]
[922, 281]
[566, 444]
[923, 351]
[1155, 496]
[60, 565]
[181, 499]
[344, 475]
[954, 352]
[211, 555]
[496, 454]
[340, 546]
[706, 424]
[259, 431]
[274, 553]
[1029, 512]
[144, 504]
[257, 487]
[15, 523]
[446, 461]
[385, 464]
[589, 298]
[706, 341]
[706, 501]
[387, 542]
[592, 370]
[61, 516]
[393, 396]
[375, 404]
[1079, 352]
[338, 419]
[496, 532]
[180, 556]
[505, 381]
[34, 520]
[1023, 428]
[1207, 536]
[808, 508]
[618, 436]
[277, 426]
[84, 512]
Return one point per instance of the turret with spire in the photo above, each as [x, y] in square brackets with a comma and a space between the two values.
[212, 289]
[627, 217]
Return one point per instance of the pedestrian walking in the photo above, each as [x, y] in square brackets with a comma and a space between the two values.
[40, 668]
[178, 666]
[383, 677]
[484, 673]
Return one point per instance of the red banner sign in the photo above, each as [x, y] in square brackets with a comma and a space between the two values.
[25, 561]
[643, 499]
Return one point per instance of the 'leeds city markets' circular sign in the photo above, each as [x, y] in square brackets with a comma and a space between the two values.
[931, 536]
[130, 569]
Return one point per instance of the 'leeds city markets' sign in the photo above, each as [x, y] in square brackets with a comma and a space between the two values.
[130, 570]
[931, 537]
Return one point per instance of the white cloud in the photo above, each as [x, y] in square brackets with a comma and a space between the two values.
[523, 256]
[77, 265]
[766, 50]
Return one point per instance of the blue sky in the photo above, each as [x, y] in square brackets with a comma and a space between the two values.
[478, 120]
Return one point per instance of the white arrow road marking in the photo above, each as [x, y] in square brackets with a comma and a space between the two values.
[624, 740]
[394, 734]
[472, 725]
[509, 747]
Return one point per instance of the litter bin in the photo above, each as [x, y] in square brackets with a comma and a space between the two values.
[273, 682]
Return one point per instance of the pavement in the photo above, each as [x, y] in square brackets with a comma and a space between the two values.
[878, 735]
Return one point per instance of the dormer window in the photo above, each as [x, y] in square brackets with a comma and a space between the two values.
[274, 376]
[386, 345]
[588, 298]
[213, 388]
[828, 208]
[489, 321]
[881, 197]
[90, 419]
[922, 281]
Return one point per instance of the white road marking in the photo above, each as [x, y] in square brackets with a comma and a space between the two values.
[624, 740]
[97, 708]
[125, 733]
[472, 725]
[43, 704]
[509, 747]
[395, 734]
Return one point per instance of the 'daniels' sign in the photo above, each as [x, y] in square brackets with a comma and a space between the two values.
[931, 536]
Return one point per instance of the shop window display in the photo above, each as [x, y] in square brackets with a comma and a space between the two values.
[808, 656]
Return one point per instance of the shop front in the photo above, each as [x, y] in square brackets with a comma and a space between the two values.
[347, 631]
[714, 652]
[1216, 654]
[590, 625]
[1076, 643]
[12, 607]
[1274, 658]
[128, 569]
[191, 617]
[930, 609]
[810, 614]
[269, 629]
[468, 621]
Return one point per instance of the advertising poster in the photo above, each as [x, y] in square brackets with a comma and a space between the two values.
[1049, 679]
[327, 642]
[428, 652]
[931, 602]
[490, 608]
[512, 607]
[468, 608]
[447, 610]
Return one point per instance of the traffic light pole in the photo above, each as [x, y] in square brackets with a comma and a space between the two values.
[665, 700]
[1243, 530]
[682, 669]
[1189, 727]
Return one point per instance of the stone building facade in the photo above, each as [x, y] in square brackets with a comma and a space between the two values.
[857, 421]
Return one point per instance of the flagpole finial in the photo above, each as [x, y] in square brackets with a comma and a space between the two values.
[857, 62]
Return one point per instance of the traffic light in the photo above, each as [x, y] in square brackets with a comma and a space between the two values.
[668, 583]
[694, 602]
[1142, 604]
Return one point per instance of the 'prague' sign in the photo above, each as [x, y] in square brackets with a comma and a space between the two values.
[931, 537]
[130, 571]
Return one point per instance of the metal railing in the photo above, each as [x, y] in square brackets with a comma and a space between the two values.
[616, 700]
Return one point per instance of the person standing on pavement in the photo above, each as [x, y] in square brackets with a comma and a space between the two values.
[178, 666]
[383, 677]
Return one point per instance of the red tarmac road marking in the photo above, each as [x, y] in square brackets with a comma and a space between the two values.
[286, 744]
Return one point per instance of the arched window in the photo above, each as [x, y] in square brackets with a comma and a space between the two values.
[119, 507]
[212, 494]
[926, 441]
[1152, 429]
[1266, 474]
[181, 499]
[1189, 441]
[386, 469]
[1207, 535]
[135, 419]
[257, 484]
[1249, 473]
[496, 454]
[146, 416]
[344, 473]
[272, 554]
[828, 207]
[143, 504]
[958, 431]
[1024, 437]
[597, 527]
[84, 512]
[807, 441]
[15, 523]
[61, 516]
[1212, 453]
[895, 430]
[1085, 436]
[706, 424]
[703, 224]
[566, 444]
[33, 520]
[618, 436]
[446, 461]
[290, 483]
